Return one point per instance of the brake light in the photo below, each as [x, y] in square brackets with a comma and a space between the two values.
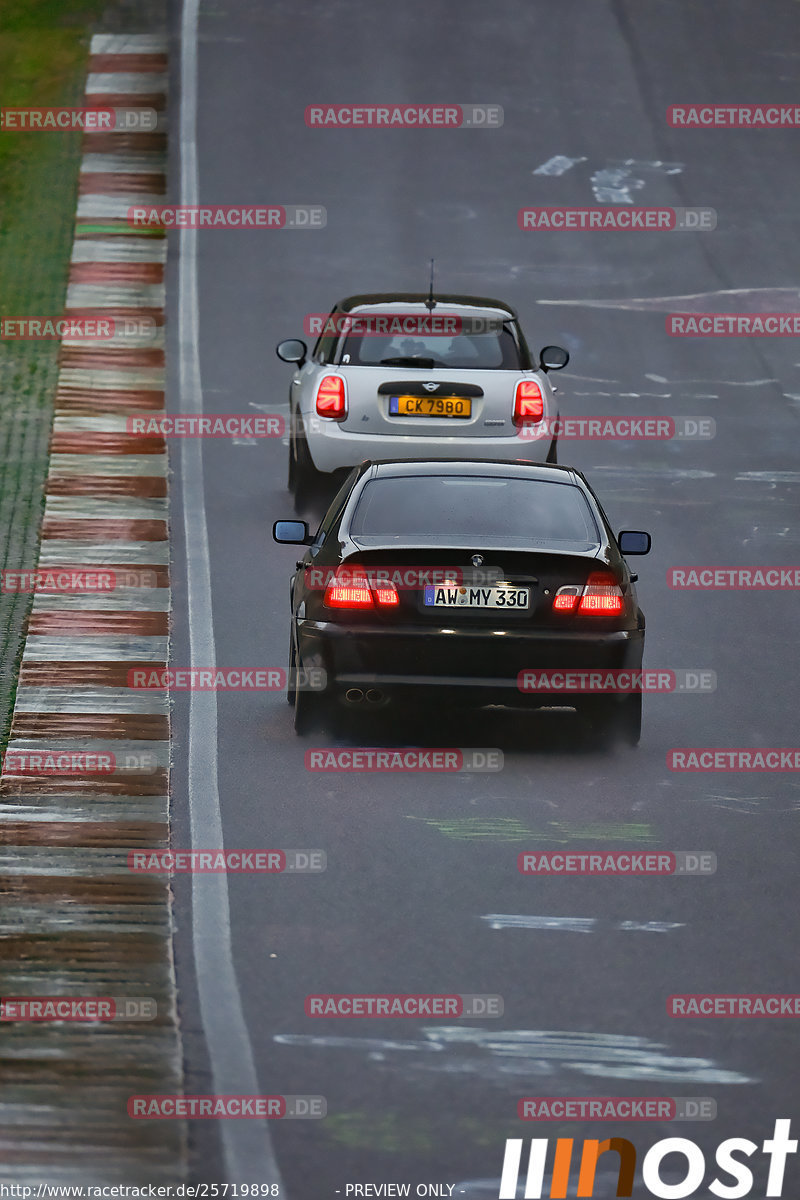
[566, 599]
[350, 588]
[528, 402]
[600, 596]
[331, 398]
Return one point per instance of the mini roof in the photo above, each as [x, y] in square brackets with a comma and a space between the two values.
[375, 299]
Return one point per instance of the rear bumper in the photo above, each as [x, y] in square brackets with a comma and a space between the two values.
[468, 664]
[332, 447]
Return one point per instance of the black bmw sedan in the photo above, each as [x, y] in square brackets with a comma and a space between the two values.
[454, 582]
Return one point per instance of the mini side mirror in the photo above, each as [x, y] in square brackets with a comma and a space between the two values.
[292, 351]
[553, 358]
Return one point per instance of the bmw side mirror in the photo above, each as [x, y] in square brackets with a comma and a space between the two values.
[291, 533]
[553, 358]
[634, 541]
[292, 351]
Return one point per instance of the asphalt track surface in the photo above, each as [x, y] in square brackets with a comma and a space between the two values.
[417, 863]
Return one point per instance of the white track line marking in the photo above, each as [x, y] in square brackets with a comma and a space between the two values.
[107, 464]
[126, 83]
[247, 1145]
[90, 508]
[125, 163]
[96, 204]
[100, 647]
[120, 249]
[89, 700]
[115, 295]
[61, 551]
[129, 43]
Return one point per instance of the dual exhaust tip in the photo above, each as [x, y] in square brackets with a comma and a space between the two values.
[359, 696]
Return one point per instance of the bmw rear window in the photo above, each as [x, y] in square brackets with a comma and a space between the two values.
[472, 509]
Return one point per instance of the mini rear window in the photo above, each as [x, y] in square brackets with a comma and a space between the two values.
[475, 509]
[464, 351]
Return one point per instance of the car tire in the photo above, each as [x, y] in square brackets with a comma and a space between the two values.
[552, 453]
[309, 711]
[611, 722]
[291, 679]
[309, 706]
[629, 720]
[302, 473]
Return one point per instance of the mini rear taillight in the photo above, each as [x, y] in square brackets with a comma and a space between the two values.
[528, 402]
[601, 596]
[331, 398]
[350, 588]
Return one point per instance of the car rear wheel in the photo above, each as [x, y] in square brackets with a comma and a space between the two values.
[291, 681]
[309, 711]
[612, 722]
[552, 453]
[629, 720]
[302, 472]
[309, 706]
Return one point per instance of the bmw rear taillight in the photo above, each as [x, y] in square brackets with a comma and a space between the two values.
[331, 398]
[567, 598]
[528, 403]
[600, 596]
[350, 588]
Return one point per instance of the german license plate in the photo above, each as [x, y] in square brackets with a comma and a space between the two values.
[430, 406]
[457, 596]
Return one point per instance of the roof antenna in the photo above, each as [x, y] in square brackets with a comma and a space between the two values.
[430, 303]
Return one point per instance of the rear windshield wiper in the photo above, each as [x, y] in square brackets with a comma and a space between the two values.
[412, 360]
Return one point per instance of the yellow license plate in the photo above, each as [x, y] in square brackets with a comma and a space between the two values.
[430, 406]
